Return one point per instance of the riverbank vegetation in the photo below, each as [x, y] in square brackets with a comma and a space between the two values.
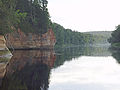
[100, 37]
[32, 16]
[28, 15]
[68, 37]
[37, 18]
[115, 38]
[7, 16]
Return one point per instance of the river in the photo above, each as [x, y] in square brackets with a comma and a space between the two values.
[77, 68]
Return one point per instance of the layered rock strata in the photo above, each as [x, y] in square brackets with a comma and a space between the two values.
[20, 40]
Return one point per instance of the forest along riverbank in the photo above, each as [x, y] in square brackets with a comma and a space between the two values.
[39, 64]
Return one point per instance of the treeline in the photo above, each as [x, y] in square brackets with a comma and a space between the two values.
[33, 16]
[67, 37]
[100, 37]
[115, 38]
[28, 15]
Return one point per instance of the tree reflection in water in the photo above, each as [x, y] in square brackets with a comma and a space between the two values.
[116, 55]
[67, 54]
[28, 70]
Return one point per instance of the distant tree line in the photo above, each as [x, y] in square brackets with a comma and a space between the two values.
[65, 37]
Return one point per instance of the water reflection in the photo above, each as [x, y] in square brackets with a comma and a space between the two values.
[116, 55]
[77, 67]
[93, 68]
[67, 54]
[28, 70]
[87, 73]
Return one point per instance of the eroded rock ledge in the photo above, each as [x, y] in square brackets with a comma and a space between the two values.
[2, 43]
[20, 40]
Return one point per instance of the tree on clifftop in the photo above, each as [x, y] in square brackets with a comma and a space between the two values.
[7, 15]
[28, 15]
[37, 19]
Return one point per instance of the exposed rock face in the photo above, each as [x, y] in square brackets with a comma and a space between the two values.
[19, 40]
[4, 52]
[4, 55]
[2, 43]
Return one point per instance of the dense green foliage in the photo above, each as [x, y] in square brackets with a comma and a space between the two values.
[33, 16]
[28, 15]
[37, 19]
[115, 37]
[65, 37]
[7, 15]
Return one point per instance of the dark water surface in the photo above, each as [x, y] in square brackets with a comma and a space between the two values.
[78, 68]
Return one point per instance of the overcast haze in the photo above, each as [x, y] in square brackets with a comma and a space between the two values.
[85, 15]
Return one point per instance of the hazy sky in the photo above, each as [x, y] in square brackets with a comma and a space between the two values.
[86, 15]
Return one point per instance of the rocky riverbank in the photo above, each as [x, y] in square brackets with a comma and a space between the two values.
[4, 51]
[5, 56]
[20, 40]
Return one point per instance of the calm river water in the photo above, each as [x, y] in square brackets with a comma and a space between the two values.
[78, 68]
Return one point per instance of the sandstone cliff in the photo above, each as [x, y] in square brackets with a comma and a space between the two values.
[20, 40]
[4, 56]
[4, 52]
[2, 43]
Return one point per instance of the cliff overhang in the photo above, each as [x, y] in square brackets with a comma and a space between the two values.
[20, 40]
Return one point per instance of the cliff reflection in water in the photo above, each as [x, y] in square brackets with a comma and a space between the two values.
[28, 70]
